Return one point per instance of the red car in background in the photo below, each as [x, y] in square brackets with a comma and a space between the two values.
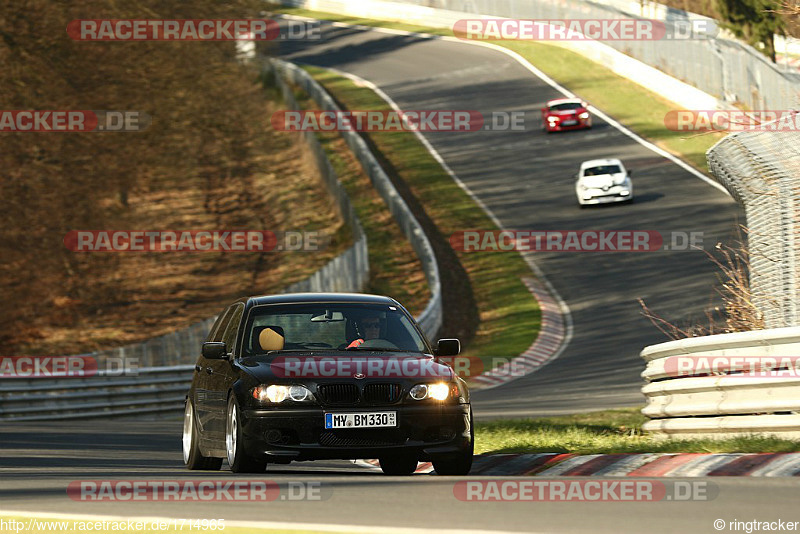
[566, 114]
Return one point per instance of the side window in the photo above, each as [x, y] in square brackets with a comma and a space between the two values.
[229, 336]
[222, 325]
[213, 334]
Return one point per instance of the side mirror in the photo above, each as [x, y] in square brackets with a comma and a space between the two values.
[215, 350]
[448, 347]
[630, 173]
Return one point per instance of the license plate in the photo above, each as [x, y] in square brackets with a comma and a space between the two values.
[361, 420]
[569, 123]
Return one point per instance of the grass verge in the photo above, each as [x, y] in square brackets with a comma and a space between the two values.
[629, 103]
[509, 316]
[605, 432]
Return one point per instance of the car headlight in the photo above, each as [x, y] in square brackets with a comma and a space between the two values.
[277, 394]
[439, 391]
[584, 115]
[552, 119]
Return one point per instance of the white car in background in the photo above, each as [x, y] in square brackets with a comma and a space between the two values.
[601, 181]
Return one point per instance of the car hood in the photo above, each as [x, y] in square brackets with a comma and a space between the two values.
[602, 180]
[323, 367]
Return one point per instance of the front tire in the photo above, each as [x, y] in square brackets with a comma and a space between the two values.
[192, 457]
[460, 463]
[238, 460]
[398, 465]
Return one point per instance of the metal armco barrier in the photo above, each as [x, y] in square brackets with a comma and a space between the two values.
[723, 405]
[143, 391]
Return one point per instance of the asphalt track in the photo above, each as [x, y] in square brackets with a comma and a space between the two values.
[525, 180]
[38, 462]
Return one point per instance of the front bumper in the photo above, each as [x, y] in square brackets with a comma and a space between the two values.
[300, 434]
[560, 127]
[604, 197]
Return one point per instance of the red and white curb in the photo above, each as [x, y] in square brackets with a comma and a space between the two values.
[544, 349]
[551, 464]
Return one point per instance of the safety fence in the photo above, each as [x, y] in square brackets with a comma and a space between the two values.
[761, 170]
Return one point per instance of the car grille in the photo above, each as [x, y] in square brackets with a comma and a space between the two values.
[339, 393]
[381, 393]
[329, 439]
[349, 393]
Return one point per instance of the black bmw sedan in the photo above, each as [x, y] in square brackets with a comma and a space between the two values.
[312, 376]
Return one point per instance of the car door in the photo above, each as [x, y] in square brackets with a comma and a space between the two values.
[203, 403]
[220, 376]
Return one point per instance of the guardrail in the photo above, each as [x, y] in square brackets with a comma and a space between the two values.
[151, 390]
[723, 404]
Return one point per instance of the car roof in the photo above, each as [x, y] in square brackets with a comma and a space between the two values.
[598, 162]
[564, 101]
[338, 298]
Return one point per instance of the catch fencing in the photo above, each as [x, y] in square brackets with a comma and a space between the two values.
[761, 169]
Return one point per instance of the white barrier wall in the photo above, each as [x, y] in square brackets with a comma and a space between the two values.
[724, 403]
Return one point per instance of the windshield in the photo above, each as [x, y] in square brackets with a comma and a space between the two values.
[566, 106]
[602, 169]
[343, 327]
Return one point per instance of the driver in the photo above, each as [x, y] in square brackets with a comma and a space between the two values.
[368, 327]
